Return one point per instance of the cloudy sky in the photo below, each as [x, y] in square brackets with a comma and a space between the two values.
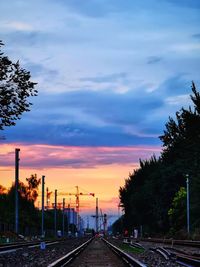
[109, 74]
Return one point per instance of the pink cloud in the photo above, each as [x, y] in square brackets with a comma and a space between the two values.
[49, 156]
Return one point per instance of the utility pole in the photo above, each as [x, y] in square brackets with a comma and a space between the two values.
[97, 216]
[47, 202]
[77, 208]
[188, 204]
[55, 214]
[63, 218]
[68, 218]
[16, 190]
[43, 183]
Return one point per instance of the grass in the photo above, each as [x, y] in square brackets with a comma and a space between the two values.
[128, 248]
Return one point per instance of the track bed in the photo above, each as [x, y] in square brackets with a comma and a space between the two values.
[99, 255]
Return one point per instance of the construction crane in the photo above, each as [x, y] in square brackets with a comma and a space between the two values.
[77, 194]
[48, 195]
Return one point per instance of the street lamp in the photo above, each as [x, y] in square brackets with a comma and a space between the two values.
[188, 204]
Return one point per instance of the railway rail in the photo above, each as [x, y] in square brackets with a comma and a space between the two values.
[97, 252]
[33, 256]
[172, 242]
[185, 258]
[141, 253]
[10, 247]
[63, 261]
[127, 258]
[180, 257]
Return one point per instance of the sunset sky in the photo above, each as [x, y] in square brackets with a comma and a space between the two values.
[109, 74]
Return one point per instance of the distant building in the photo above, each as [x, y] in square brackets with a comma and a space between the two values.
[71, 215]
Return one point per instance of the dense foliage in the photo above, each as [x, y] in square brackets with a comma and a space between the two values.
[15, 90]
[154, 195]
[29, 215]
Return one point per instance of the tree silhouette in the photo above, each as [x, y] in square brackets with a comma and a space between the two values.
[15, 89]
[151, 196]
[32, 188]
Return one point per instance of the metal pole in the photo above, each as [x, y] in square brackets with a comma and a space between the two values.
[77, 208]
[97, 216]
[105, 226]
[47, 202]
[55, 213]
[16, 190]
[63, 218]
[68, 218]
[43, 183]
[188, 205]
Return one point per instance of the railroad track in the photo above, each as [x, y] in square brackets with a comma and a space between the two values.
[181, 257]
[188, 243]
[95, 252]
[10, 247]
[126, 257]
[31, 255]
[178, 256]
[63, 261]
[170, 254]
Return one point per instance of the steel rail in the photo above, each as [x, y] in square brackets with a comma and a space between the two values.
[194, 262]
[164, 253]
[7, 247]
[188, 243]
[125, 256]
[23, 242]
[181, 258]
[17, 245]
[63, 261]
[186, 259]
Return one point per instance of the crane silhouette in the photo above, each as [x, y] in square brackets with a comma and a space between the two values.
[77, 194]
